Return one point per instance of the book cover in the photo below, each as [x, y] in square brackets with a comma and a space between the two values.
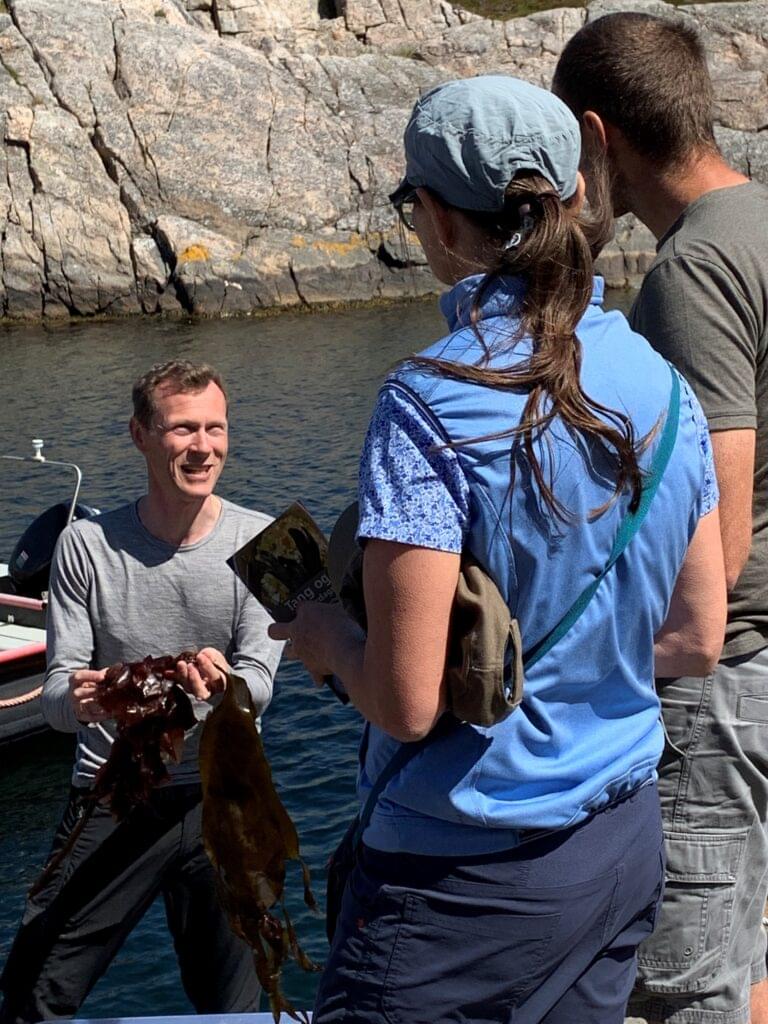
[286, 563]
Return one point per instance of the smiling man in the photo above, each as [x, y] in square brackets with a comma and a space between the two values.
[149, 578]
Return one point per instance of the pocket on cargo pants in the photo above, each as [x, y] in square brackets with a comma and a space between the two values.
[692, 934]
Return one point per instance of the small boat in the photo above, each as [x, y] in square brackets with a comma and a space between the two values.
[23, 600]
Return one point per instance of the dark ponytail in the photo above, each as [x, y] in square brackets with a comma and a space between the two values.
[554, 252]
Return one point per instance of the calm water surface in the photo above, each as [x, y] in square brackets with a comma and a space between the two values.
[301, 389]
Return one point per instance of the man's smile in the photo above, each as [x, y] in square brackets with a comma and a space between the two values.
[200, 471]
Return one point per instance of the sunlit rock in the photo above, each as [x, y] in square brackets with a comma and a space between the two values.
[226, 156]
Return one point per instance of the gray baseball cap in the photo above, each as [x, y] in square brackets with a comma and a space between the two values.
[466, 140]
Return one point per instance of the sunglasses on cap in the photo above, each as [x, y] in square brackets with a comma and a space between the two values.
[404, 201]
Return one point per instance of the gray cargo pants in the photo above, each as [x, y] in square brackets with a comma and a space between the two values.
[709, 944]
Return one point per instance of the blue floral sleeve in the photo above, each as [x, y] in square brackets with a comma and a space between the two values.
[411, 489]
[710, 493]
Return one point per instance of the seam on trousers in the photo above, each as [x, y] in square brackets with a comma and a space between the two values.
[609, 922]
[657, 1010]
[687, 764]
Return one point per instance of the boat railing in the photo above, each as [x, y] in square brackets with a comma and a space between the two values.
[37, 457]
[33, 604]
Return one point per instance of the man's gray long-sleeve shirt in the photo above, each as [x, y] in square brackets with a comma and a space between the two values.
[119, 594]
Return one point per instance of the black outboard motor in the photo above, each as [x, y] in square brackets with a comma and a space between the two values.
[30, 563]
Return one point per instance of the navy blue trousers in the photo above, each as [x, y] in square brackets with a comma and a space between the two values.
[542, 934]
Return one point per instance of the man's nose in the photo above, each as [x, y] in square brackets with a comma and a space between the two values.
[201, 441]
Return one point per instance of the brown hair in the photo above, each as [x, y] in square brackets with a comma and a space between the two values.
[647, 76]
[178, 375]
[556, 258]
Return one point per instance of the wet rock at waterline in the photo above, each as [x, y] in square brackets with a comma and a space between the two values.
[224, 156]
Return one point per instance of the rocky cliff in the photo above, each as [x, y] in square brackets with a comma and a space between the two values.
[223, 156]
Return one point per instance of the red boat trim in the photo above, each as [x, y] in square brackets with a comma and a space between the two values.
[14, 601]
[21, 653]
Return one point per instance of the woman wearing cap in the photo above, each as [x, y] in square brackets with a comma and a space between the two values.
[509, 872]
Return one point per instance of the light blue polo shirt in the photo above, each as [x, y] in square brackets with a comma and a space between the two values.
[588, 730]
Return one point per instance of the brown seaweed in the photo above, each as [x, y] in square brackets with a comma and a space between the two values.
[152, 712]
[249, 836]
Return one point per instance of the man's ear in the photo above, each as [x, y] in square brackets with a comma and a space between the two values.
[594, 132]
[138, 433]
[440, 215]
[601, 136]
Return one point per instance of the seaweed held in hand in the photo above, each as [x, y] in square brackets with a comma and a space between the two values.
[152, 712]
[248, 836]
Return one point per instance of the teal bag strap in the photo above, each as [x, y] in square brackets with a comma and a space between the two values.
[405, 753]
[630, 524]
[629, 527]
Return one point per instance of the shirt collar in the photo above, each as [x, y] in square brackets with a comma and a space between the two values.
[500, 298]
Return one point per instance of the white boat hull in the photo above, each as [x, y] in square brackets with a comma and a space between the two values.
[22, 665]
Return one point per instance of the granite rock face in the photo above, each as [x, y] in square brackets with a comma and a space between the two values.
[225, 156]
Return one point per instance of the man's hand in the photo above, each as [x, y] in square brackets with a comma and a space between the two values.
[204, 676]
[83, 686]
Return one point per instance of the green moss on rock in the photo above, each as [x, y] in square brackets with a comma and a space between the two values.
[501, 10]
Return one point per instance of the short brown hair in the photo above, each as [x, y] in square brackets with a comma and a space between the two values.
[647, 76]
[178, 375]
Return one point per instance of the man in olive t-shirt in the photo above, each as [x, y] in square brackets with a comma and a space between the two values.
[704, 306]
[641, 89]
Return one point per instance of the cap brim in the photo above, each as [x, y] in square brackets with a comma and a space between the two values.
[400, 193]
